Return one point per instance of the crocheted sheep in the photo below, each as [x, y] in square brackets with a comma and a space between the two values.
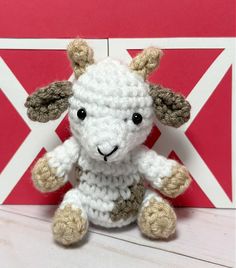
[111, 111]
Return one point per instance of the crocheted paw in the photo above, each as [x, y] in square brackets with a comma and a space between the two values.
[177, 183]
[157, 219]
[69, 226]
[44, 177]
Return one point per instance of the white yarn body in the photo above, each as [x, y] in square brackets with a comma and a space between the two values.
[101, 183]
[111, 94]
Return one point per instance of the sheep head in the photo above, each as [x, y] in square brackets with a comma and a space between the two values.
[111, 106]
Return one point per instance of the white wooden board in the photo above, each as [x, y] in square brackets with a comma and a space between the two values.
[202, 234]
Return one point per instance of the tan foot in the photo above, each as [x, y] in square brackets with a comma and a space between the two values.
[69, 226]
[177, 183]
[157, 219]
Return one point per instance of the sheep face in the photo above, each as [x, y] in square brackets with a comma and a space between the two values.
[110, 110]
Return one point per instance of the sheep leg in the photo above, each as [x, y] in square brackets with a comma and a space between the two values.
[70, 222]
[156, 218]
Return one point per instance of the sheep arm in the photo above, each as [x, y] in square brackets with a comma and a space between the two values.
[166, 175]
[50, 171]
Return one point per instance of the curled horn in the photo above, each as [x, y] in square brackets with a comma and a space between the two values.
[146, 61]
[80, 56]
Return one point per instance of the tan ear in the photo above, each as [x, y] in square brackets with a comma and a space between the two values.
[146, 61]
[171, 108]
[80, 55]
[49, 102]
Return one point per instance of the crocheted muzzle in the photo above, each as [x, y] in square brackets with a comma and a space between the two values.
[110, 111]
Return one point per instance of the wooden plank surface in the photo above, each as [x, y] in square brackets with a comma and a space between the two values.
[203, 234]
[26, 242]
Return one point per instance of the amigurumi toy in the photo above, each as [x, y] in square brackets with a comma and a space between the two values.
[111, 109]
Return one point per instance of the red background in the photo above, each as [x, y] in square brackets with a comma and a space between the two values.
[104, 19]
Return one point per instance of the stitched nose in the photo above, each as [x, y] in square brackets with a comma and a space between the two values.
[106, 155]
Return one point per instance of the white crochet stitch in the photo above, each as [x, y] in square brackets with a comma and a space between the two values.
[111, 115]
[110, 93]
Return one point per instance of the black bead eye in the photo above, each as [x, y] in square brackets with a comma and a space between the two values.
[137, 118]
[81, 113]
